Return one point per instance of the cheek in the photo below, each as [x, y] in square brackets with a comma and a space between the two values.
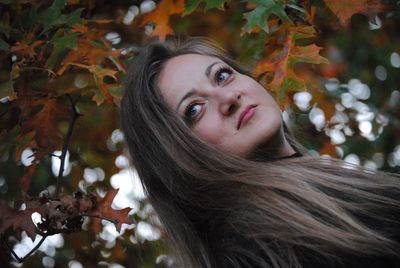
[211, 131]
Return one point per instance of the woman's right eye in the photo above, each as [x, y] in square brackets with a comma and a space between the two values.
[192, 111]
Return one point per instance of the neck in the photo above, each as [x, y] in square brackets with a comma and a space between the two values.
[277, 147]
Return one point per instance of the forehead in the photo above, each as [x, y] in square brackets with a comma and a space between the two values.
[183, 73]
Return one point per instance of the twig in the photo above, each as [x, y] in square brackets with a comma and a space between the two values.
[75, 115]
[32, 250]
[17, 258]
[8, 247]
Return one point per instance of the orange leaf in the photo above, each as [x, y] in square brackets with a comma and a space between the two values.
[345, 9]
[87, 53]
[283, 55]
[328, 148]
[161, 14]
[105, 210]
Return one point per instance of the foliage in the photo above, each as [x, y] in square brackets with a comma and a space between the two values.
[63, 64]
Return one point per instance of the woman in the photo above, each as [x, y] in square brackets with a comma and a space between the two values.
[231, 186]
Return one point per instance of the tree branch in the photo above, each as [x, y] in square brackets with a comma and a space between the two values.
[32, 250]
[17, 258]
[75, 115]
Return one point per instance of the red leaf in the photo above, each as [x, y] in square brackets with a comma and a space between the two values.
[104, 210]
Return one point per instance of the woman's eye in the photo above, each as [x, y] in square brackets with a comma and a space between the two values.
[223, 74]
[192, 111]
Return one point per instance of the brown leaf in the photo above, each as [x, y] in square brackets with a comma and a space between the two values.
[105, 210]
[161, 14]
[7, 216]
[44, 124]
[345, 9]
[26, 178]
[23, 218]
[86, 202]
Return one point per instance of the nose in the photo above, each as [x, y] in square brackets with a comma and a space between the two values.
[228, 101]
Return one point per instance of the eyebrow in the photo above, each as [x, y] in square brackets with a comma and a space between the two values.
[187, 95]
[194, 91]
[208, 69]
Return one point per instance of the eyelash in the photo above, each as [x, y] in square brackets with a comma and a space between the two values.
[222, 69]
[189, 119]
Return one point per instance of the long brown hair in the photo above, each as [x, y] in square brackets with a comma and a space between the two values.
[219, 210]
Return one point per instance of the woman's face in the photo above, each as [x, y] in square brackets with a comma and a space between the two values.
[223, 107]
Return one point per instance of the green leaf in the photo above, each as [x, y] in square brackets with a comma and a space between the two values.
[52, 16]
[4, 45]
[5, 29]
[191, 5]
[61, 44]
[6, 89]
[260, 15]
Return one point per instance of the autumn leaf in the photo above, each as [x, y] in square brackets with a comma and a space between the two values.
[26, 177]
[161, 14]
[191, 5]
[44, 124]
[99, 75]
[22, 219]
[90, 54]
[62, 42]
[104, 210]
[53, 16]
[90, 50]
[260, 15]
[278, 66]
[7, 216]
[345, 9]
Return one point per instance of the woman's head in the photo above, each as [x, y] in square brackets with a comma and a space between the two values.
[182, 171]
[204, 89]
[223, 107]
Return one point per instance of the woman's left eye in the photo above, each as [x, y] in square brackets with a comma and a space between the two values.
[192, 112]
[222, 75]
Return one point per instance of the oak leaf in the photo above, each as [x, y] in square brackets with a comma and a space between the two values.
[105, 211]
[191, 5]
[23, 218]
[7, 216]
[345, 9]
[45, 126]
[53, 16]
[161, 14]
[26, 177]
[260, 15]
[277, 68]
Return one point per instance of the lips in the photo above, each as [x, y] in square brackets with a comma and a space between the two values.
[245, 116]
